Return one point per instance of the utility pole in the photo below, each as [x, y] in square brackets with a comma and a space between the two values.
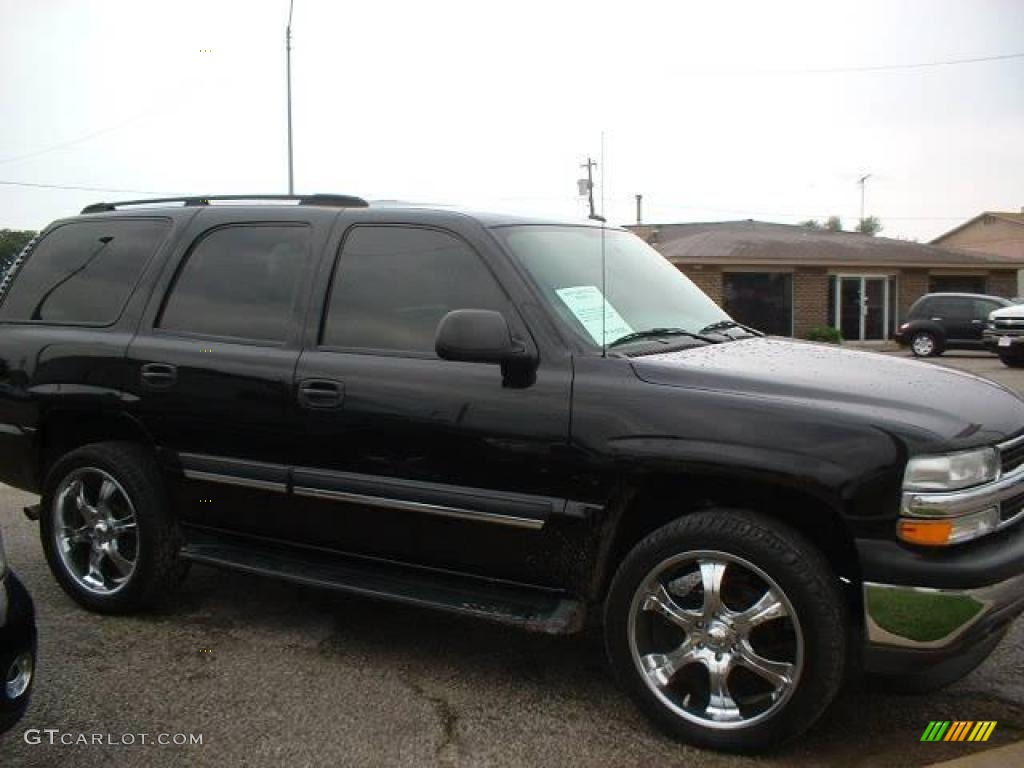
[590, 165]
[639, 209]
[861, 181]
[288, 65]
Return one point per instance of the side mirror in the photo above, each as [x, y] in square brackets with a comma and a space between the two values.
[484, 336]
[474, 336]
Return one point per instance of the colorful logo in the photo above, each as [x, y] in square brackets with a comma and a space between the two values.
[958, 730]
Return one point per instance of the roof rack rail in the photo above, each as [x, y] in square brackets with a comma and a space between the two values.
[336, 201]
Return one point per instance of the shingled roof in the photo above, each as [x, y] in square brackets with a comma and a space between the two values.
[757, 242]
[1010, 216]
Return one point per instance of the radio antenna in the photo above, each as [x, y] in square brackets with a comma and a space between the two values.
[604, 266]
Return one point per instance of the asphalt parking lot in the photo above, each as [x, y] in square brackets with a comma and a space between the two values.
[278, 675]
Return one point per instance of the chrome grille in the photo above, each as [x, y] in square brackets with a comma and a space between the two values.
[1011, 508]
[1011, 454]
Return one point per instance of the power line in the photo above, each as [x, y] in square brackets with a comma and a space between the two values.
[864, 68]
[81, 188]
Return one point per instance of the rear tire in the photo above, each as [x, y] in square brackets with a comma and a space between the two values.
[690, 659]
[107, 530]
[1012, 361]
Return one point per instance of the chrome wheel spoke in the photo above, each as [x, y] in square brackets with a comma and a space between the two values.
[661, 667]
[721, 705]
[769, 607]
[711, 573]
[660, 601]
[779, 674]
[94, 576]
[119, 561]
[122, 524]
[89, 513]
[80, 535]
[107, 491]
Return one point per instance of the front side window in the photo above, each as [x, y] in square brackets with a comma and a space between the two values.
[240, 281]
[641, 289]
[393, 285]
[83, 272]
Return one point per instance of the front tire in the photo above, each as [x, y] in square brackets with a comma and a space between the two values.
[1012, 361]
[728, 630]
[107, 530]
[924, 344]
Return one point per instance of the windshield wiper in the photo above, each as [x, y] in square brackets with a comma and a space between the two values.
[653, 333]
[722, 325]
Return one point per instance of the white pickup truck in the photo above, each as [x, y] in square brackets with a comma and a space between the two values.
[1004, 335]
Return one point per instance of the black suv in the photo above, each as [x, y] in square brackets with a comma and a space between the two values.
[940, 321]
[530, 422]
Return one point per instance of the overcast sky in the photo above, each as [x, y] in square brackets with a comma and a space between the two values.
[713, 111]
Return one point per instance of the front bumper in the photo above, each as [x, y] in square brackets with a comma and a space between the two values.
[934, 615]
[17, 645]
[994, 340]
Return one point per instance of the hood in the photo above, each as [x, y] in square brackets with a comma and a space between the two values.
[1014, 311]
[934, 403]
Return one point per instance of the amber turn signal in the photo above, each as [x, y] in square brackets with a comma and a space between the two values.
[931, 533]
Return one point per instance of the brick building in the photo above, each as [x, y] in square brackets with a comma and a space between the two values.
[788, 279]
[996, 232]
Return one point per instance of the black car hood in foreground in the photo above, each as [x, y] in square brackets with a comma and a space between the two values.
[951, 407]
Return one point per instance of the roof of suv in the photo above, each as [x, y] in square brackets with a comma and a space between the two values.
[323, 202]
[951, 295]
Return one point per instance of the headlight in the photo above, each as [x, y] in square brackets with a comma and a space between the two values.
[952, 471]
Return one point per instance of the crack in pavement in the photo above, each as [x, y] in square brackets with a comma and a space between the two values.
[447, 752]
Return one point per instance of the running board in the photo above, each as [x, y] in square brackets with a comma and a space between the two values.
[532, 609]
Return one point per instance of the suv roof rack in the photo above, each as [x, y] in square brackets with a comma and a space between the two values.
[336, 201]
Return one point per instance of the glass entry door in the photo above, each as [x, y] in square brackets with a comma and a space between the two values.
[862, 306]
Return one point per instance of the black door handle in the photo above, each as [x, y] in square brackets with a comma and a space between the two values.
[321, 393]
[159, 375]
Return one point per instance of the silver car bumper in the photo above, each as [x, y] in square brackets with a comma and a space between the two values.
[924, 618]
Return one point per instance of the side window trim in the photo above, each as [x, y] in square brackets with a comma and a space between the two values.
[294, 321]
[325, 308]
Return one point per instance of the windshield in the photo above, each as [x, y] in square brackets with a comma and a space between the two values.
[643, 290]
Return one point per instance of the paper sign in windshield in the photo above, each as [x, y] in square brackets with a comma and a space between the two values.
[586, 302]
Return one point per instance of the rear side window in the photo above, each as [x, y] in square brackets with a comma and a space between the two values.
[83, 272]
[392, 285]
[239, 281]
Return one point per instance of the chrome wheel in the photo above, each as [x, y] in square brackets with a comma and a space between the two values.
[95, 531]
[715, 639]
[923, 344]
[19, 677]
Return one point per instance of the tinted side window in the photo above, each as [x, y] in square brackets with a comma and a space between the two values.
[944, 308]
[982, 308]
[239, 281]
[392, 285]
[83, 272]
[960, 309]
[921, 309]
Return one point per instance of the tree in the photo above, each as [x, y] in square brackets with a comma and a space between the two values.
[11, 243]
[869, 226]
[834, 224]
[811, 224]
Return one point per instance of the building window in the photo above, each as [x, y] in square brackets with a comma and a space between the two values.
[956, 284]
[762, 300]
